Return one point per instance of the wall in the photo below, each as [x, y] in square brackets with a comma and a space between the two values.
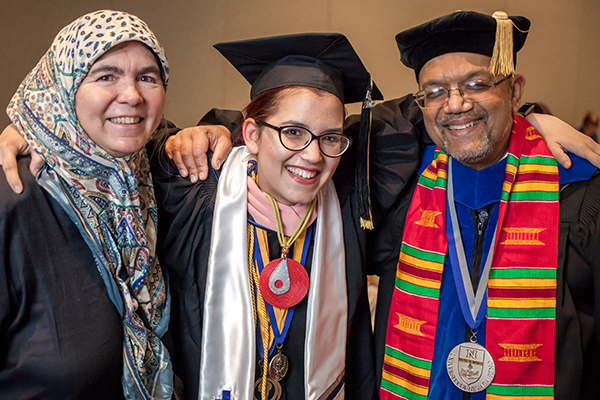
[560, 59]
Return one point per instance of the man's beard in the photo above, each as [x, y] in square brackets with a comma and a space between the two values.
[476, 152]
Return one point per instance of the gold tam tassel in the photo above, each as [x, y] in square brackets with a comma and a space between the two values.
[502, 62]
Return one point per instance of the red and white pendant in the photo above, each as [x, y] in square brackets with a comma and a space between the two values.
[283, 283]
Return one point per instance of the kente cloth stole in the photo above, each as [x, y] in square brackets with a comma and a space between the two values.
[521, 296]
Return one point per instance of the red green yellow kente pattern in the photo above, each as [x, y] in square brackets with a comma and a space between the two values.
[522, 285]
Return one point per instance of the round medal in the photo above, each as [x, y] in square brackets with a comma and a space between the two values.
[470, 367]
[273, 389]
[278, 367]
[283, 283]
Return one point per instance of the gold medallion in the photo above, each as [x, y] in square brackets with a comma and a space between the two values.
[273, 389]
[278, 367]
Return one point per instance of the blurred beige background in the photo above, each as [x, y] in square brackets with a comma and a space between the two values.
[561, 58]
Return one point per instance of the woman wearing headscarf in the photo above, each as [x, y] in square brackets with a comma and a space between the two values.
[83, 300]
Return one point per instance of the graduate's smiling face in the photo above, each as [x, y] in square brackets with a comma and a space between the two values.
[295, 177]
[474, 133]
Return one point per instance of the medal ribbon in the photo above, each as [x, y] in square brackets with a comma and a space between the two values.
[470, 303]
[521, 295]
[282, 317]
[264, 334]
[286, 244]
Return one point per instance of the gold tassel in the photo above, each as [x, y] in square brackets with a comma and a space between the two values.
[367, 223]
[502, 59]
[362, 170]
[264, 316]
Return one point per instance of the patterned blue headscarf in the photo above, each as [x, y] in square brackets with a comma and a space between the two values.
[110, 199]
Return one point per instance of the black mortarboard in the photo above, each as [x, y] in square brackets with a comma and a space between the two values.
[325, 61]
[497, 36]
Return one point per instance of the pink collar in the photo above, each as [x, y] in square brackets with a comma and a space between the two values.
[261, 210]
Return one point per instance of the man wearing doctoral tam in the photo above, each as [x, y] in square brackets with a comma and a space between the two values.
[495, 289]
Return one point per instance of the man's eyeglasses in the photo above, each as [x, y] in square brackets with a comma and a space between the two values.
[474, 91]
[296, 138]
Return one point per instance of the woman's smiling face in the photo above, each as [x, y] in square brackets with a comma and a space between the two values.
[120, 102]
[295, 177]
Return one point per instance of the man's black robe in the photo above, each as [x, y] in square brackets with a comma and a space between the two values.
[577, 356]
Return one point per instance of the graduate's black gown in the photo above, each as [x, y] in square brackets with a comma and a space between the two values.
[185, 221]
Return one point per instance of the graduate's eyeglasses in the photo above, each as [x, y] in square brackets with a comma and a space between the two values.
[296, 138]
[473, 90]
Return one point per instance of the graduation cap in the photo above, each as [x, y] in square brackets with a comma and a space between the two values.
[325, 61]
[497, 36]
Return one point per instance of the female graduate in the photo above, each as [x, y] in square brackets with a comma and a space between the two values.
[266, 302]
